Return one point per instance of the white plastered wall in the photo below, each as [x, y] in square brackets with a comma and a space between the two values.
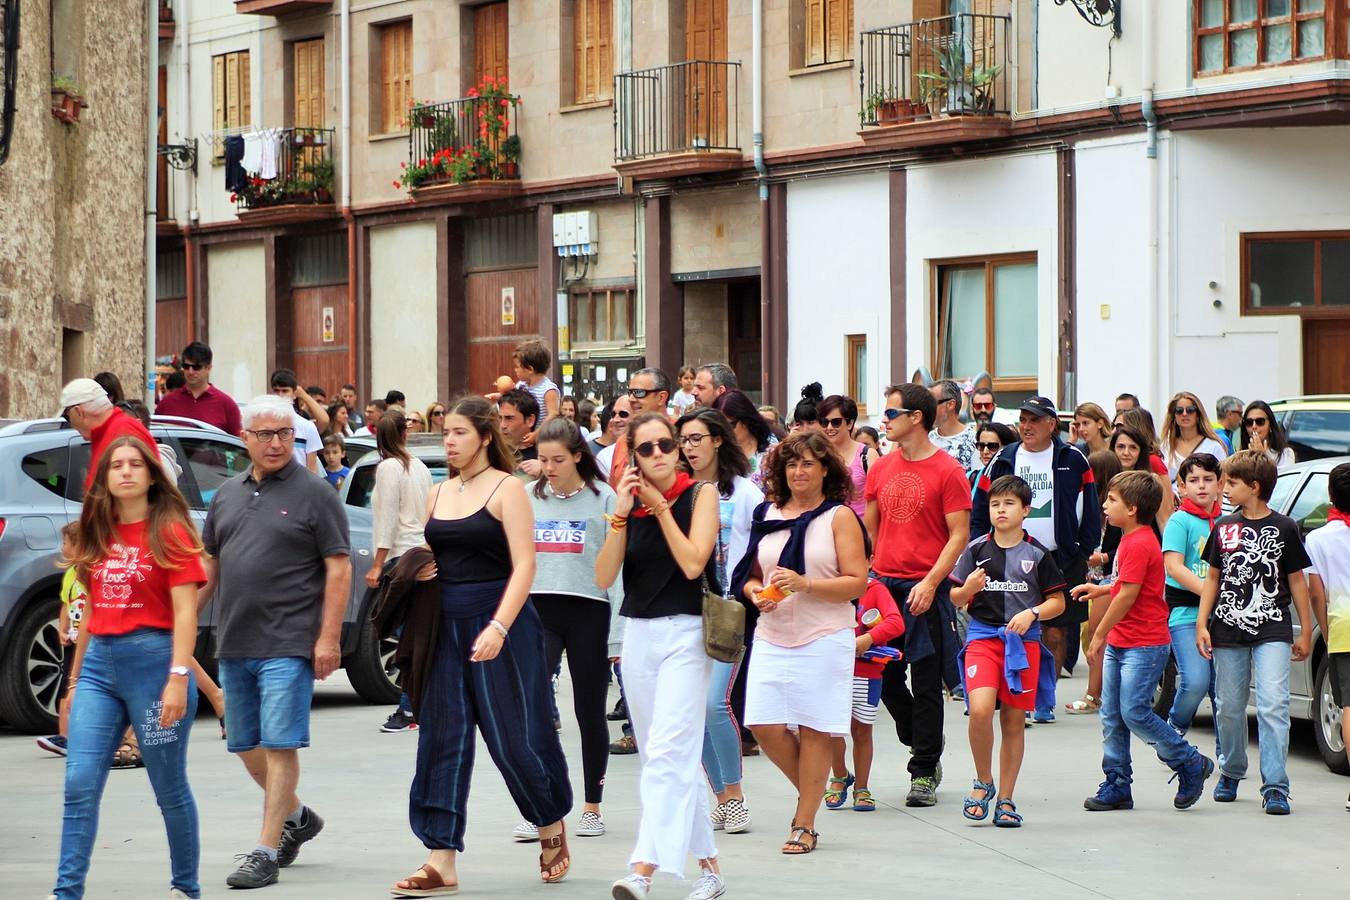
[403, 311]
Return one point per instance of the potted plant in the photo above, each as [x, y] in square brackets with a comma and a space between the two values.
[511, 157]
[961, 86]
[484, 160]
[883, 108]
[320, 173]
[66, 100]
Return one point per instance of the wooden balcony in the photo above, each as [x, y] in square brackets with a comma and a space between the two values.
[280, 8]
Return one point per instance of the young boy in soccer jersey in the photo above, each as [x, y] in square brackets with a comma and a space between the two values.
[1134, 643]
[1329, 587]
[1256, 562]
[1183, 545]
[1010, 582]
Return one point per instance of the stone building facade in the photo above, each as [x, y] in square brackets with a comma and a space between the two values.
[72, 247]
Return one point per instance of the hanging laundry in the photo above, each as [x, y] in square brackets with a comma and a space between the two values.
[270, 145]
[235, 180]
[252, 161]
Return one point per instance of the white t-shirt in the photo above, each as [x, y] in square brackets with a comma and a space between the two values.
[682, 402]
[1038, 470]
[1206, 445]
[604, 459]
[1327, 548]
[307, 439]
[735, 514]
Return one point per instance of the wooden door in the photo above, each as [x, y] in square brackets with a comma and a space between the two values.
[161, 165]
[490, 43]
[492, 336]
[319, 335]
[170, 325]
[745, 349]
[705, 87]
[1326, 356]
[308, 69]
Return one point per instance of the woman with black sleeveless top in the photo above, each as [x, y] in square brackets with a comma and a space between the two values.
[489, 658]
[663, 533]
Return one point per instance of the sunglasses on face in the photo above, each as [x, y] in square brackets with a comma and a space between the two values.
[623, 415]
[1185, 410]
[193, 367]
[436, 414]
[892, 414]
[640, 393]
[692, 440]
[647, 448]
[832, 423]
[982, 407]
[991, 446]
[1261, 421]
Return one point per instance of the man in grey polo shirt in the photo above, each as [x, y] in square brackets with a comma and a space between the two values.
[281, 566]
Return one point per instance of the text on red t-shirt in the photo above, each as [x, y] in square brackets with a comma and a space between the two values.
[130, 589]
[1139, 561]
[913, 500]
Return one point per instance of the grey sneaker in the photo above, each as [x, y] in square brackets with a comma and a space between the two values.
[292, 836]
[922, 792]
[256, 871]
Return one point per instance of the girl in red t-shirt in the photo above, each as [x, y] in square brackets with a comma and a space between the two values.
[140, 556]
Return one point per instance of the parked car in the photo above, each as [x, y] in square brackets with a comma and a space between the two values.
[42, 471]
[1318, 426]
[360, 484]
[1301, 494]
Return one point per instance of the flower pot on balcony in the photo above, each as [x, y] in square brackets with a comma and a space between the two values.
[483, 170]
[511, 170]
[323, 195]
[892, 112]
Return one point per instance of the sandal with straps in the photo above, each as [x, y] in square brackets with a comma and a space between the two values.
[981, 806]
[800, 847]
[838, 790]
[562, 858]
[1086, 706]
[863, 800]
[1006, 814]
[429, 885]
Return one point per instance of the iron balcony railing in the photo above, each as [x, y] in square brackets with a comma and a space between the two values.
[677, 108]
[952, 65]
[304, 166]
[481, 127]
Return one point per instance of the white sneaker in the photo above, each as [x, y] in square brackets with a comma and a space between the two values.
[718, 817]
[590, 825]
[525, 833]
[736, 817]
[176, 894]
[631, 887]
[708, 887]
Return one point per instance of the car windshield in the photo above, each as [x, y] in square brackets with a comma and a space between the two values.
[1316, 434]
[362, 482]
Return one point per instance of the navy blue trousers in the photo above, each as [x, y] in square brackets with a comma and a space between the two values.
[507, 699]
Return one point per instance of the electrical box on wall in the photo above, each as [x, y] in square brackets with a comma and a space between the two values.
[576, 233]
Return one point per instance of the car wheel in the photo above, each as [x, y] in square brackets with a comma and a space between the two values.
[1166, 691]
[32, 670]
[371, 667]
[1327, 722]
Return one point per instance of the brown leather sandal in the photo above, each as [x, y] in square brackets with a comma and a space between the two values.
[430, 885]
[562, 858]
[795, 846]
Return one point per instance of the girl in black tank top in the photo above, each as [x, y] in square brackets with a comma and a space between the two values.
[488, 659]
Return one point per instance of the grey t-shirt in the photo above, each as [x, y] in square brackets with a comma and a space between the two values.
[270, 540]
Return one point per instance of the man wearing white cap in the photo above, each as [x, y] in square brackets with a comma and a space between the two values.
[85, 405]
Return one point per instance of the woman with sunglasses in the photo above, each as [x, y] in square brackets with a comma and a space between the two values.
[712, 456]
[1261, 431]
[990, 438]
[1186, 430]
[663, 535]
[417, 423]
[836, 415]
[751, 432]
[435, 418]
[1092, 427]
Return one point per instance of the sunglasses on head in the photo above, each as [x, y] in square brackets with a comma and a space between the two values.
[647, 448]
[991, 446]
[1254, 421]
[193, 367]
[1185, 410]
[837, 422]
[892, 414]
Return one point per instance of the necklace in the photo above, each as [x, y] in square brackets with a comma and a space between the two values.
[569, 494]
[464, 482]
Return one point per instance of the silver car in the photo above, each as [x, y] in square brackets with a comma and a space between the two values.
[42, 470]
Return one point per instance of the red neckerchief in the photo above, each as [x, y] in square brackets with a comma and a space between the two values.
[1335, 515]
[682, 483]
[1189, 506]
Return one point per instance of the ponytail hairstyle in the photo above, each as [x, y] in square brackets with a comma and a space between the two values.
[568, 433]
[482, 415]
[391, 436]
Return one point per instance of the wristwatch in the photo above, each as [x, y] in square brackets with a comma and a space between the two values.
[1036, 613]
[178, 670]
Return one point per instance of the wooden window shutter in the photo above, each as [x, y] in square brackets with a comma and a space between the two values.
[395, 73]
[489, 41]
[838, 29]
[309, 83]
[580, 85]
[604, 68]
[245, 90]
[815, 32]
[218, 93]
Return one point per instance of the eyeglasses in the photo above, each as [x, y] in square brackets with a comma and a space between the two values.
[1185, 410]
[640, 393]
[267, 435]
[193, 367]
[623, 414]
[1253, 421]
[646, 449]
[991, 446]
[892, 414]
[692, 440]
[982, 407]
[832, 423]
[417, 420]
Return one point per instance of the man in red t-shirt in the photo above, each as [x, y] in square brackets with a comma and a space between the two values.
[1133, 642]
[918, 515]
[199, 399]
[85, 405]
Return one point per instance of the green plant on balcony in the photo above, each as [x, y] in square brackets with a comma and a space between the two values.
[321, 178]
[511, 151]
[959, 86]
[66, 99]
[885, 107]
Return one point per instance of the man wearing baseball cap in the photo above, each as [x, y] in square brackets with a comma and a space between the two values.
[85, 405]
[1065, 514]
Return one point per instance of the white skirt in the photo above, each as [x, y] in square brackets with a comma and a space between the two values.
[810, 685]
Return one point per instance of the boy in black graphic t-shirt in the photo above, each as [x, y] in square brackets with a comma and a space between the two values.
[1010, 582]
[1256, 563]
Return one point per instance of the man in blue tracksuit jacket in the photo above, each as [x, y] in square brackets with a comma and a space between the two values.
[1071, 527]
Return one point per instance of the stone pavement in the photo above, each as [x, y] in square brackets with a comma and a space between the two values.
[358, 779]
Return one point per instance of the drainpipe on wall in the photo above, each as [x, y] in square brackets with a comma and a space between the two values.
[189, 177]
[151, 190]
[345, 47]
[1146, 71]
[766, 286]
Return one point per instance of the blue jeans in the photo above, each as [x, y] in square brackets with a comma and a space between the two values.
[721, 733]
[121, 682]
[1195, 678]
[1233, 668]
[1129, 677]
[266, 702]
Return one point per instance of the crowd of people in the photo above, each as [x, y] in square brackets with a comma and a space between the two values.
[961, 550]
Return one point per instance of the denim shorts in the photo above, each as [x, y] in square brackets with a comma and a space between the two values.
[266, 702]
